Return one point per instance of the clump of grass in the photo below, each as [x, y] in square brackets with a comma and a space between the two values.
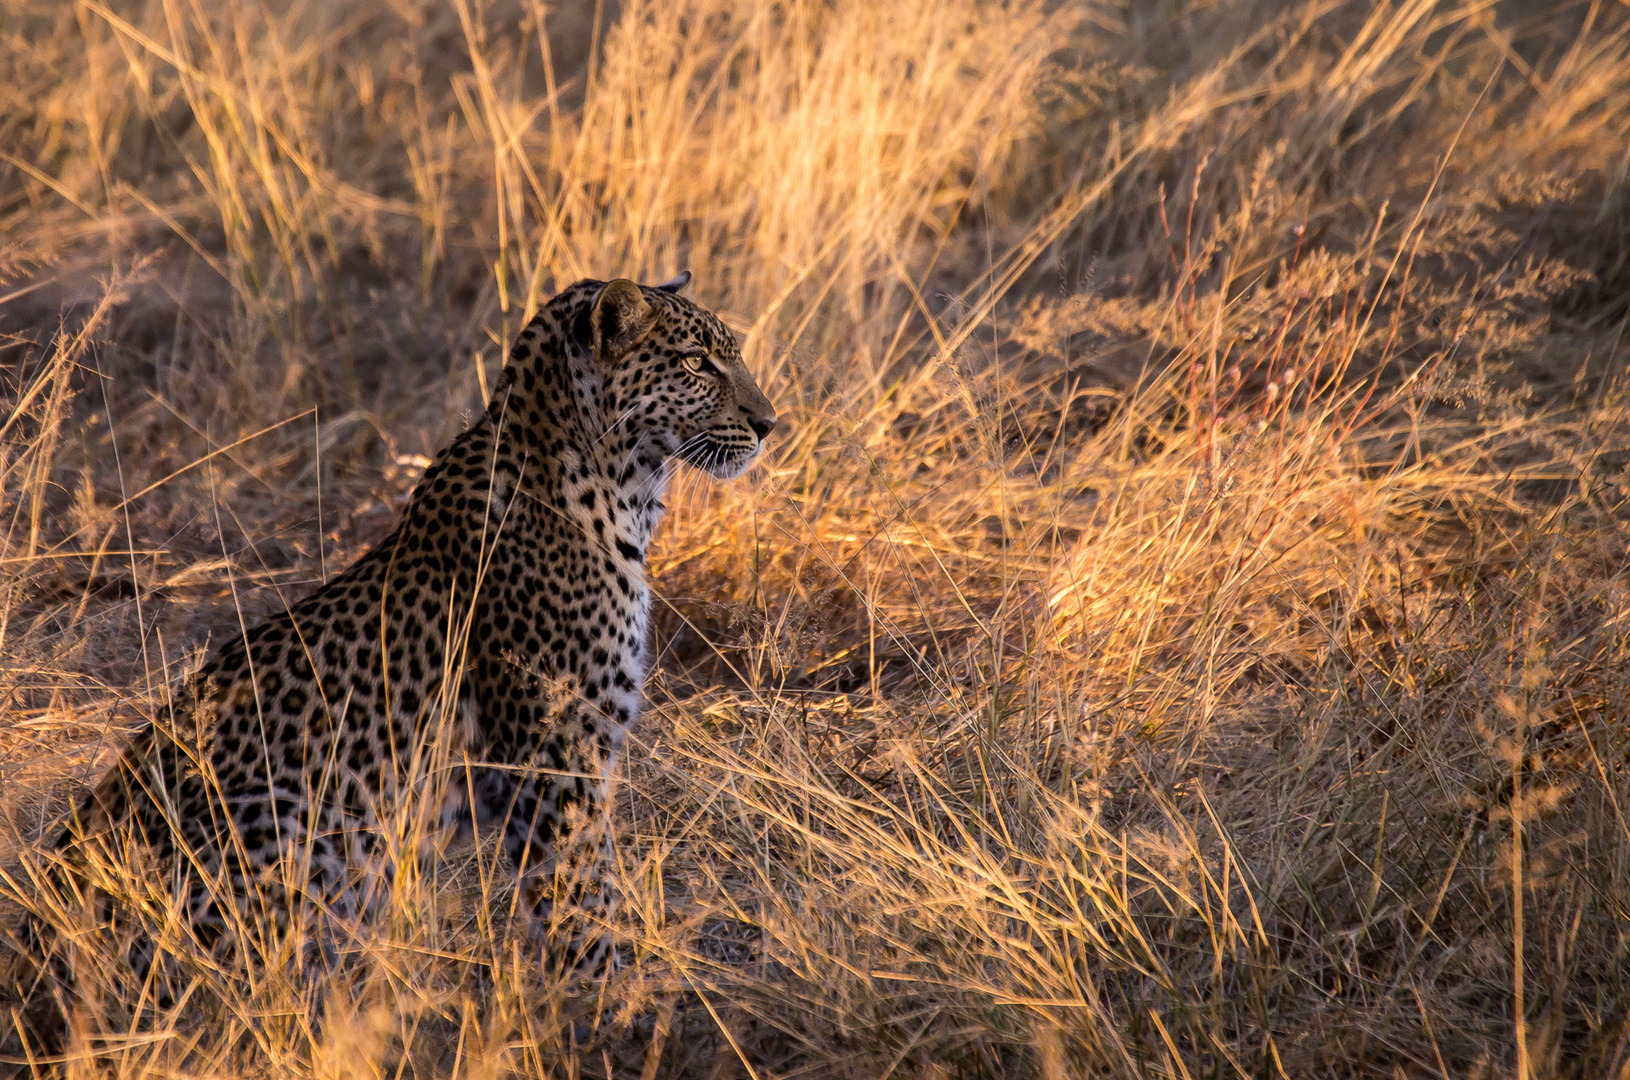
[1178, 628]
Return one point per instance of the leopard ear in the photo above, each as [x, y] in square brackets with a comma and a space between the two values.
[620, 319]
[677, 284]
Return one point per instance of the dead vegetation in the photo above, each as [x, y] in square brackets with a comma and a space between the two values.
[1180, 626]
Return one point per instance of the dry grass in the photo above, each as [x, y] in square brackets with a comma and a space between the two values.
[1179, 629]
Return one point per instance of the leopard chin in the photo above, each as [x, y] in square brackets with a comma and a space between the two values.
[735, 466]
[722, 461]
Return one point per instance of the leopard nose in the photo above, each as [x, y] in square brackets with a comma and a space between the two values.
[762, 426]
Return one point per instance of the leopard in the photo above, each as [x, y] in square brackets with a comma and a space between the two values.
[501, 629]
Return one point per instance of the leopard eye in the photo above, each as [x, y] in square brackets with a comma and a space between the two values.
[701, 364]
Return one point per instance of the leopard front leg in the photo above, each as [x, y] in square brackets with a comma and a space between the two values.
[554, 696]
[552, 803]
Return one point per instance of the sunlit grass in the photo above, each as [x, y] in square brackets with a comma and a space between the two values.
[1178, 628]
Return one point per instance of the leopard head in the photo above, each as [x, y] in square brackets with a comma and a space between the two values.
[672, 379]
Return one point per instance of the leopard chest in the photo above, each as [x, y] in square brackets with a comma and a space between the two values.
[563, 611]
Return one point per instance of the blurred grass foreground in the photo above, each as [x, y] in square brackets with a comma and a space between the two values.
[1179, 629]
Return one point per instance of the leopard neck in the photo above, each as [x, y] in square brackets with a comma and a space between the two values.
[547, 408]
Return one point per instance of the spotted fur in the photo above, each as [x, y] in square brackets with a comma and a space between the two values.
[488, 654]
